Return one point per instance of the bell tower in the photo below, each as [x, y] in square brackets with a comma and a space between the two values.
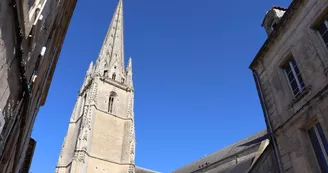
[100, 136]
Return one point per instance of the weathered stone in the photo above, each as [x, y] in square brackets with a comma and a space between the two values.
[30, 43]
[295, 36]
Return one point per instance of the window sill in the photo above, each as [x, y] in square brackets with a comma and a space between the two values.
[299, 97]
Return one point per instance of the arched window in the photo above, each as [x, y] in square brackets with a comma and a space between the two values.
[111, 102]
[113, 76]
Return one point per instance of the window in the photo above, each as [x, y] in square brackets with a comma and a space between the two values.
[114, 76]
[106, 73]
[323, 30]
[110, 104]
[320, 146]
[122, 80]
[294, 77]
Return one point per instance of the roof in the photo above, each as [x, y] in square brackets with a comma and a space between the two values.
[288, 14]
[143, 170]
[223, 154]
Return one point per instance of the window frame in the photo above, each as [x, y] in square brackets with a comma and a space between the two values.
[111, 102]
[319, 42]
[316, 28]
[289, 63]
[319, 140]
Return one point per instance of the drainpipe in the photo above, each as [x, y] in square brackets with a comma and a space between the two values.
[268, 122]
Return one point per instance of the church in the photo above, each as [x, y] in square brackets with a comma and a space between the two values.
[100, 136]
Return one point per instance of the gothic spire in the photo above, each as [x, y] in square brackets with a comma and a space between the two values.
[110, 61]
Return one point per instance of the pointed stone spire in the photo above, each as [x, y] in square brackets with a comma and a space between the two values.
[111, 57]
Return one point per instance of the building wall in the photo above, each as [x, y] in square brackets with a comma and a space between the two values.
[291, 116]
[31, 36]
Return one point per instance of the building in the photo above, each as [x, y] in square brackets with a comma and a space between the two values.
[31, 36]
[100, 136]
[236, 158]
[290, 71]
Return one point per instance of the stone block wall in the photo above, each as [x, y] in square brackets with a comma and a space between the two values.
[31, 36]
[291, 116]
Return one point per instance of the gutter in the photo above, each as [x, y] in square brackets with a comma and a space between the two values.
[268, 122]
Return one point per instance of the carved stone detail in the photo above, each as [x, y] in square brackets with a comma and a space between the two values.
[76, 155]
[131, 169]
[85, 128]
[81, 157]
[93, 94]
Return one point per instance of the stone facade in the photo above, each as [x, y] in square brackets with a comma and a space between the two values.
[100, 136]
[291, 72]
[31, 36]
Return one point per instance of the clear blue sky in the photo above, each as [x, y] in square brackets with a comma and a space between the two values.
[194, 93]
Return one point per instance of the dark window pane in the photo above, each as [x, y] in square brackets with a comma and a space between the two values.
[294, 87]
[323, 137]
[293, 62]
[291, 76]
[322, 28]
[297, 71]
[300, 79]
[325, 37]
[317, 150]
[296, 92]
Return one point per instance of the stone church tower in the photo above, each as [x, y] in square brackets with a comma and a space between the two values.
[100, 136]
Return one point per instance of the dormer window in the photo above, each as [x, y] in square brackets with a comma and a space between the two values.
[122, 80]
[272, 18]
[114, 76]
